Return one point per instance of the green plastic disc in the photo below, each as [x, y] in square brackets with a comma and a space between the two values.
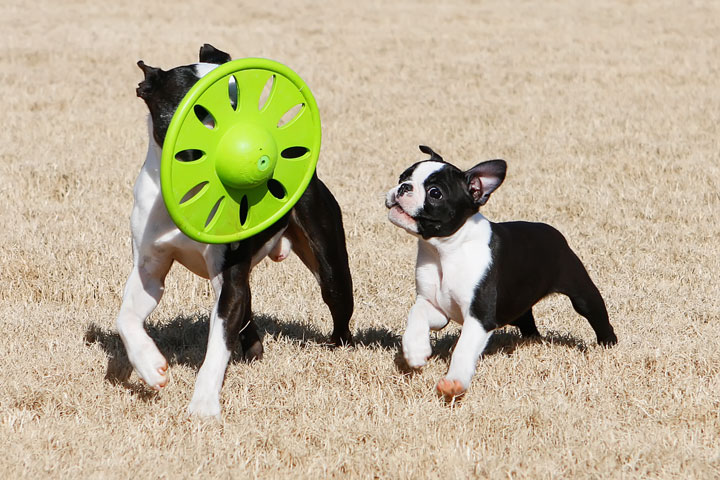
[240, 150]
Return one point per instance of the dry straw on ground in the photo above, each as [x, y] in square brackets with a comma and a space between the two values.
[609, 117]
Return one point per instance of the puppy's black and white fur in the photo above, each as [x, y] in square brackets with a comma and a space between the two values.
[481, 274]
[313, 230]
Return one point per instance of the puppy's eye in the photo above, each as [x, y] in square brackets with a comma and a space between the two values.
[435, 193]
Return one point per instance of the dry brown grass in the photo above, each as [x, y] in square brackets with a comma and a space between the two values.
[609, 118]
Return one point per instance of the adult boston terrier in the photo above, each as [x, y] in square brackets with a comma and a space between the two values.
[313, 229]
[483, 275]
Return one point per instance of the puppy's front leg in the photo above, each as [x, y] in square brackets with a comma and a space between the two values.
[230, 314]
[470, 345]
[416, 340]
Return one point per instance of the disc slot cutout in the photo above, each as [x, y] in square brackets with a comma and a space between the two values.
[290, 115]
[276, 189]
[233, 92]
[292, 153]
[189, 155]
[194, 191]
[266, 92]
[205, 117]
[244, 210]
[214, 210]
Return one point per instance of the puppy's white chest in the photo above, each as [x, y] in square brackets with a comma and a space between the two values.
[449, 269]
[451, 292]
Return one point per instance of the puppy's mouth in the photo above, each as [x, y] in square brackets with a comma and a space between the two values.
[401, 218]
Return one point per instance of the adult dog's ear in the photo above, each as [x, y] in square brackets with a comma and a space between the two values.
[145, 88]
[433, 156]
[210, 54]
[484, 178]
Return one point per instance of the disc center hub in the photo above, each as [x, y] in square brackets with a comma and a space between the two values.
[246, 156]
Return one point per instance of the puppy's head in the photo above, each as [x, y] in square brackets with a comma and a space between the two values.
[163, 90]
[434, 198]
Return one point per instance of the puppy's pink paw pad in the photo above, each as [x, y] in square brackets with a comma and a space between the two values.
[450, 388]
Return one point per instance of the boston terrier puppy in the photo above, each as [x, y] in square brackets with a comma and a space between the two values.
[481, 274]
[313, 229]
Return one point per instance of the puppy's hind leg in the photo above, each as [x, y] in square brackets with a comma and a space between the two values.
[143, 291]
[526, 324]
[587, 301]
[318, 238]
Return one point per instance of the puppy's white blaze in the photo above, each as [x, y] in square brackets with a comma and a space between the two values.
[412, 202]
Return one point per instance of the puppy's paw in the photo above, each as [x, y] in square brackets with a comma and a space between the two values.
[450, 388]
[151, 366]
[204, 405]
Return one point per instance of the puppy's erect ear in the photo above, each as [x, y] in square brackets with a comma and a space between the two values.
[433, 156]
[145, 87]
[210, 54]
[484, 178]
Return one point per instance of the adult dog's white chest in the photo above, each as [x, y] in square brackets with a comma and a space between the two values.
[449, 269]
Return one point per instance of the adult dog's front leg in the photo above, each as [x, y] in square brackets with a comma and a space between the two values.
[423, 316]
[230, 319]
[143, 291]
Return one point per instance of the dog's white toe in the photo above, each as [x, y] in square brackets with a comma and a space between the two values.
[417, 357]
[150, 365]
[416, 348]
[204, 406]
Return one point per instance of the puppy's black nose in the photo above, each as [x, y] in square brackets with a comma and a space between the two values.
[403, 189]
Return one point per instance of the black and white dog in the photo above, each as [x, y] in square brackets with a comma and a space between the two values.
[481, 274]
[313, 230]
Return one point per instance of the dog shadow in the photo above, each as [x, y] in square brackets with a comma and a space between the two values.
[183, 341]
[502, 342]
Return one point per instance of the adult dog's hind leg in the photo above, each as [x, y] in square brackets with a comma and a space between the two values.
[143, 291]
[318, 238]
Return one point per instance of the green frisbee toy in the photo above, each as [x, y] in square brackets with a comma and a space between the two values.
[232, 165]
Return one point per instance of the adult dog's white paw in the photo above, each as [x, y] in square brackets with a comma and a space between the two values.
[204, 405]
[416, 355]
[150, 364]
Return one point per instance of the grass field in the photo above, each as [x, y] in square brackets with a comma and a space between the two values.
[609, 118]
